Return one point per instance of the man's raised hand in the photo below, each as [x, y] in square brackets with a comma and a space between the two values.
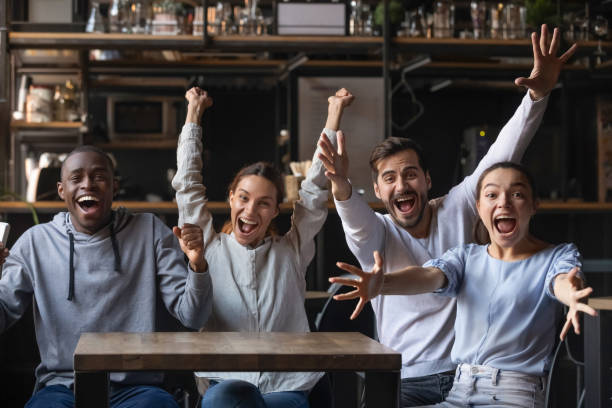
[336, 164]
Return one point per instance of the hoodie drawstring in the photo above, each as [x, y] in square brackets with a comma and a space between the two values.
[71, 279]
[114, 242]
[115, 252]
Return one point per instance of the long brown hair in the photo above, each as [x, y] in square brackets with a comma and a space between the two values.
[269, 172]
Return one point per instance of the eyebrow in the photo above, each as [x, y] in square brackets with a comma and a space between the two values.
[518, 183]
[402, 170]
[264, 197]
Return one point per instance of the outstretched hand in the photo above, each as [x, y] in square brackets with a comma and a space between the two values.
[199, 101]
[337, 102]
[546, 64]
[192, 243]
[336, 164]
[367, 285]
[575, 306]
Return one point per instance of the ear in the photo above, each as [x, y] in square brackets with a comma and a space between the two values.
[377, 191]
[60, 189]
[428, 180]
[276, 211]
[230, 197]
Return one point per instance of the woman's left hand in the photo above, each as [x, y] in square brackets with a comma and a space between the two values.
[575, 306]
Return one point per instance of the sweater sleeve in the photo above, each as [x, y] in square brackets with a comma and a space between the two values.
[190, 191]
[363, 228]
[310, 211]
[186, 294]
[510, 145]
[16, 287]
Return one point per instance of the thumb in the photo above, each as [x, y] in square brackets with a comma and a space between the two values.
[378, 260]
[522, 81]
[177, 232]
[334, 178]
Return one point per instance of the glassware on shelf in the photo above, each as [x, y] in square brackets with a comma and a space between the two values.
[95, 24]
[164, 18]
[478, 12]
[138, 17]
[600, 30]
[417, 23]
[495, 20]
[115, 16]
[355, 18]
[198, 21]
[514, 21]
[444, 19]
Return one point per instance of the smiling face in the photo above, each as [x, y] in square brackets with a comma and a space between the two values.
[87, 188]
[253, 206]
[506, 205]
[402, 186]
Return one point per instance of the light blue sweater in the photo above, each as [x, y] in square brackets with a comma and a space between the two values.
[105, 298]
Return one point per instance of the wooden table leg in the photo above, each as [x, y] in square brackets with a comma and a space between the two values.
[382, 389]
[597, 331]
[91, 390]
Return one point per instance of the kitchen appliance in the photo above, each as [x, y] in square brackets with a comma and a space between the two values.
[143, 117]
[311, 18]
[49, 15]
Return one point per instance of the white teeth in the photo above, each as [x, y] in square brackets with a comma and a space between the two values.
[87, 198]
[401, 200]
[248, 221]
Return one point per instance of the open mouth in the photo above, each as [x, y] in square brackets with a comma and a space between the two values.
[246, 226]
[505, 225]
[88, 203]
[405, 204]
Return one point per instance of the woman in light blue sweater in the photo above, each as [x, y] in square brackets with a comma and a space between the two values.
[507, 293]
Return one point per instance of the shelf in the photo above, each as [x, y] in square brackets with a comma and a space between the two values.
[222, 207]
[138, 144]
[22, 124]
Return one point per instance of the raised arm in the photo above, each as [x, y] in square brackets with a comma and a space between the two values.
[310, 210]
[516, 135]
[190, 191]
[568, 288]
[412, 280]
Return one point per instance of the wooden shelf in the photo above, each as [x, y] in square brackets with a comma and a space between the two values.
[22, 124]
[139, 144]
[222, 207]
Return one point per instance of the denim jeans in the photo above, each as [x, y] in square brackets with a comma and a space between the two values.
[242, 394]
[484, 386]
[429, 389]
[139, 396]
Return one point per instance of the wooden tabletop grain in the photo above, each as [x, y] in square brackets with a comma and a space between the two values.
[601, 303]
[233, 351]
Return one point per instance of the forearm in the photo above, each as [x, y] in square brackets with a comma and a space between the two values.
[413, 280]
[334, 114]
[194, 115]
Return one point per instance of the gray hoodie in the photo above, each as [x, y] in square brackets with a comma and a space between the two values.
[106, 282]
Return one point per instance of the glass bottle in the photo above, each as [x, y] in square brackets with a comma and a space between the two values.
[94, 23]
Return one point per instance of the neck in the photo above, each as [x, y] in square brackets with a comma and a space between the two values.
[525, 248]
[421, 229]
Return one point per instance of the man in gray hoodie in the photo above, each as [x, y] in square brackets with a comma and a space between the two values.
[94, 269]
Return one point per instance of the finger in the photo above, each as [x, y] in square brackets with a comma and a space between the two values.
[554, 44]
[586, 309]
[347, 296]
[358, 309]
[350, 268]
[378, 261]
[568, 54]
[342, 92]
[583, 293]
[340, 136]
[536, 47]
[345, 281]
[565, 329]
[327, 163]
[544, 40]
[326, 147]
[177, 232]
[526, 82]
[576, 323]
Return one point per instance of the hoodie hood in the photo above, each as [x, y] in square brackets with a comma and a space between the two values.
[119, 219]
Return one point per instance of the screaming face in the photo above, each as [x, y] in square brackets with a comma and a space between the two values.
[253, 206]
[87, 188]
[505, 206]
[402, 186]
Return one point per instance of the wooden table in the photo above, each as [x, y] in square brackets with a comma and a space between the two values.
[97, 354]
[597, 353]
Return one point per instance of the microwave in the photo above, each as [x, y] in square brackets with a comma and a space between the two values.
[143, 117]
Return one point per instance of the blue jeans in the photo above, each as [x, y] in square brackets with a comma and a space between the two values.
[139, 396]
[488, 387]
[426, 390]
[242, 394]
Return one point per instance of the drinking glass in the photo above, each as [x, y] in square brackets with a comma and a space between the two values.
[600, 30]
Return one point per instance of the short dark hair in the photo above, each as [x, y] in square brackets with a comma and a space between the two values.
[394, 145]
[93, 149]
[508, 165]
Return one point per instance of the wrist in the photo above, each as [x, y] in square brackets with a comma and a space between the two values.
[198, 267]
